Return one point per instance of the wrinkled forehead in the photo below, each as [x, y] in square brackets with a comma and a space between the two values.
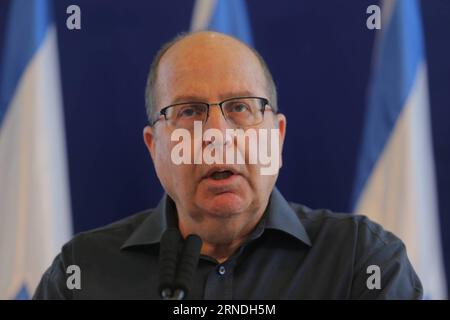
[210, 67]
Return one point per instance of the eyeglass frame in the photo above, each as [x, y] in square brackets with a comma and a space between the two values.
[163, 111]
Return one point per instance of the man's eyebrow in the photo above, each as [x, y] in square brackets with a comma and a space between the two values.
[187, 98]
[224, 96]
[228, 95]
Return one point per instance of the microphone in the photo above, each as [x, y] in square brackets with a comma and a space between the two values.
[175, 278]
[186, 267]
[168, 256]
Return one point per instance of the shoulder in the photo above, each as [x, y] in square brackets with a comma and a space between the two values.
[359, 244]
[102, 245]
[356, 236]
[113, 233]
[338, 225]
[91, 251]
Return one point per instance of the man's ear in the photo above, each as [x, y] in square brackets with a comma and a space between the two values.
[281, 121]
[149, 140]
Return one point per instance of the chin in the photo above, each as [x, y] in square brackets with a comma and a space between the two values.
[224, 205]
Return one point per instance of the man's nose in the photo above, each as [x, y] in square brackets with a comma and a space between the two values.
[216, 119]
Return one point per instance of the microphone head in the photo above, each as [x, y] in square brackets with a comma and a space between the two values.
[168, 255]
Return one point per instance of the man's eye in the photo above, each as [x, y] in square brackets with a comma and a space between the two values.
[239, 107]
[188, 112]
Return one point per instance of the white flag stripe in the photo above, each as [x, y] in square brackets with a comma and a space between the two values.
[34, 195]
[401, 194]
[201, 15]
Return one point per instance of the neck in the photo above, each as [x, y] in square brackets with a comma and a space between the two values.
[221, 252]
[220, 240]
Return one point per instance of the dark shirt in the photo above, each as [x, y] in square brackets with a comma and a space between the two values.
[293, 253]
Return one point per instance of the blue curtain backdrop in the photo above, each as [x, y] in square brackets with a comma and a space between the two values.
[320, 54]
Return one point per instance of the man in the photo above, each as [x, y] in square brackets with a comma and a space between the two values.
[255, 244]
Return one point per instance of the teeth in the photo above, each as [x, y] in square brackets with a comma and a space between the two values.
[218, 175]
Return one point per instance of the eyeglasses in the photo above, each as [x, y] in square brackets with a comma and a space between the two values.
[239, 112]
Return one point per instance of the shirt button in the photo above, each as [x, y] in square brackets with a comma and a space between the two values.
[222, 270]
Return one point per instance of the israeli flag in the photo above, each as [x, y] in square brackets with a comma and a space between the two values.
[395, 181]
[225, 16]
[35, 217]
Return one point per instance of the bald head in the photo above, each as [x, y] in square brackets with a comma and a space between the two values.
[211, 57]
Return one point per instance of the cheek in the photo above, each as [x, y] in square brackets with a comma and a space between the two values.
[172, 176]
[163, 164]
[258, 182]
[162, 159]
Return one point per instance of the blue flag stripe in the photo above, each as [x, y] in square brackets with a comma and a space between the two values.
[26, 28]
[230, 17]
[399, 54]
[23, 294]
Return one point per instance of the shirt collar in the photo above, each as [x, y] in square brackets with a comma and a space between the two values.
[278, 216]
[152, 228]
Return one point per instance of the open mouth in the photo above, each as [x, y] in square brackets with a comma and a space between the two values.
[220, 175]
